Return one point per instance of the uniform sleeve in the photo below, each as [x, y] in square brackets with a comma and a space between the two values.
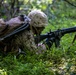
[26, 40]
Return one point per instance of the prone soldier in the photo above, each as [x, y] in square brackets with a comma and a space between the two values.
[25, 40]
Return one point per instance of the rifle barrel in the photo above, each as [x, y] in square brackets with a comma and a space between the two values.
[68, 30]
[54, 34]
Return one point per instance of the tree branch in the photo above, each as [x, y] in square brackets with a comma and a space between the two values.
[70, 3]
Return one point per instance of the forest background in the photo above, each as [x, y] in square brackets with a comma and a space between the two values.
[55, 61]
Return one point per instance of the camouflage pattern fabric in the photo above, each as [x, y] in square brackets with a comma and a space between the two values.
[25, 40]
[38, 18]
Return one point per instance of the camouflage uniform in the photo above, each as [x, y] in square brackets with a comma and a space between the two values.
[25, 40]
[38, 21]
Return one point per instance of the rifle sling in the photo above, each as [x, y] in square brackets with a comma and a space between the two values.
[23, 27]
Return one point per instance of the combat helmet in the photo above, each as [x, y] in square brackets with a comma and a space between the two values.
[38, 18]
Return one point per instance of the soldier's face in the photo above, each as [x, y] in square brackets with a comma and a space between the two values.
[38, 30]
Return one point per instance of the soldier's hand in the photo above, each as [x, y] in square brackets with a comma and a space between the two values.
[41, 48]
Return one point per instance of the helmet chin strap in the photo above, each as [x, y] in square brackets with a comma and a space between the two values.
[35, 30]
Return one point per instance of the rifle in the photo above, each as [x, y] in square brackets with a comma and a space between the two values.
[54, 37]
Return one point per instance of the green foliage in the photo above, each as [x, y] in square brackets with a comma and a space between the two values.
[55, 61]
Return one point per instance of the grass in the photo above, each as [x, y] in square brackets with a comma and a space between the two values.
[56, 61]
